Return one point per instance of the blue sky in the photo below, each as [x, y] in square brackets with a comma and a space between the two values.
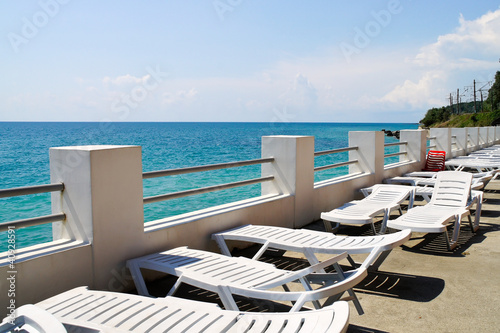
[241, 60]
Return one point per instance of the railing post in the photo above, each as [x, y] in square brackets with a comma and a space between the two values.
[102, 199]
[483, 137]
[442, 140]
[370, 153]
[460, 140]
[416, 146]
[490, 136]
[293, 169]
[473, 133]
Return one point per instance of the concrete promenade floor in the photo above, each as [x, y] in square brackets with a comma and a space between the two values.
[421, 287]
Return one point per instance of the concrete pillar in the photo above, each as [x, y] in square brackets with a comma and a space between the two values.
[102, 199]
[461, 144]
[473, 141]
[442, 140]
[370, 153]
[417, 145]
[293, 168]
[483, 137]
[490, 135]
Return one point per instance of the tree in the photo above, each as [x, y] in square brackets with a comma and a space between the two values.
[494, 94]
[435, 115]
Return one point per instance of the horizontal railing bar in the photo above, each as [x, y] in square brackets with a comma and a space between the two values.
[171, 172]
[26, 190]
[432, 138]
[395, 144]
[32, 221]
[454, 136]
[433, 146]
[336, 165]
[207, 189]
[396, 154]
[334, 151]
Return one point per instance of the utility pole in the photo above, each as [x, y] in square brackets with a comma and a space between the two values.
[451, 104]
[458, 101]
[475, 110]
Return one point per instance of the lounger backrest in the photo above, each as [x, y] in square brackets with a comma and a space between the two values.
[435, 161]
[452, 189]
[389, 193]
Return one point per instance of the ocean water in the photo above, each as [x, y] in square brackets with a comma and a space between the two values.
[24, 160]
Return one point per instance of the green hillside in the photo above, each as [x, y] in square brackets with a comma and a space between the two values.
[465, 114]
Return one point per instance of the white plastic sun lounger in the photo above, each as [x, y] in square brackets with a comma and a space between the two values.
[32, 319]
[85, 311]
[311, 242]
[449, 202]
[382, 201]
[423, 178]
[476, 198]
[228, 276]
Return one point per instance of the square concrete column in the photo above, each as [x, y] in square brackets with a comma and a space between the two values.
[370, 153]
[293, 169]
[103, 203]
[442, 140]
[416, 146]
[473, 139]
[461, 141]
[483, 137]
[490, 137]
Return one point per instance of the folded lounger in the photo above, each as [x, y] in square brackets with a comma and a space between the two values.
[228, 276]
[311, 242]
[85, 311]
[449, 202]
[383, 200]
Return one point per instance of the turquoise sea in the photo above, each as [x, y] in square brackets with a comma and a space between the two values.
[24, 160]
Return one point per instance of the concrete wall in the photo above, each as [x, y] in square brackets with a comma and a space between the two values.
[103, 202]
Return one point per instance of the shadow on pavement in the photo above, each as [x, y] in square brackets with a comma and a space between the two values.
[403, 286]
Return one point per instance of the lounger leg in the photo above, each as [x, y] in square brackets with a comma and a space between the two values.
[227, 298]
[331, 226]
[351, 293]
[477, 214]
[448, 243]
[376, 265]
[176, 285]
[222, 245]
[471, 224]
[307, 287]
[140, 285]
[384, 223]
[452, 244]
[261, 251]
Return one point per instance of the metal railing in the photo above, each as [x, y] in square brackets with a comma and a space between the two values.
[207, 189]
[404, 143]
[28, 190]
[335, 165]
[454, 144]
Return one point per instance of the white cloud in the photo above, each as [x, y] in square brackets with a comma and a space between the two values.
[420, 93]
[125, 80]
[301, 95]
[180, 96]
[472, 48]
